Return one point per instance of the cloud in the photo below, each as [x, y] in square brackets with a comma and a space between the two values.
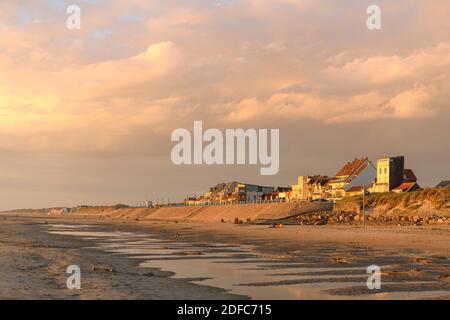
[387, 69]
[414, 103]
[361, 89]
[289, 107]
[74, 101]
[97, 105]
[229, 65]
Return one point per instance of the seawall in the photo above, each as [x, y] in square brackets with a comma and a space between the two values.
[226, 213]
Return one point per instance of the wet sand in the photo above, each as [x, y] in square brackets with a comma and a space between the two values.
[33, 265]
[163, 260]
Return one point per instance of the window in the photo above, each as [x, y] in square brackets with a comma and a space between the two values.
[385, 170]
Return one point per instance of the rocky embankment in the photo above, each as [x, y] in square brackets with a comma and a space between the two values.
[424, 207]
[354, 218]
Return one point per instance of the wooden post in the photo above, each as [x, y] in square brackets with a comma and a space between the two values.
[363, 206]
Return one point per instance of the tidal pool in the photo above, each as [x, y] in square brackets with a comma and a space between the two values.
[239, 269]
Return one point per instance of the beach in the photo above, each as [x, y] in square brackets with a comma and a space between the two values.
[122, 259]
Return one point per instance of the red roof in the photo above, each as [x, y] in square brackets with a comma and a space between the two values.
[355, 189]
[409, 175]
[406, 186]
[350, 168]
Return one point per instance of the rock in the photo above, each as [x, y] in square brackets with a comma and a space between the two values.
[357, 217]
[420, 260]
[416, 219]
[101, 268]
[443, 277]
[339, 260]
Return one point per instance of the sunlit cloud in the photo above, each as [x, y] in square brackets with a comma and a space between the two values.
[138, 69]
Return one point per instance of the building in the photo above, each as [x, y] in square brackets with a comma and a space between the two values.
[392, 176]
[409, 183]
[390, 173]
[252, 192]
[193, 201]
[310, 188]
[282, 194]
[407, 187]
[60, 211]
[231, 192]
[409, 176]
[351, 178]
[300, 190]
[318, 187]
[443, 184]
[354, 191]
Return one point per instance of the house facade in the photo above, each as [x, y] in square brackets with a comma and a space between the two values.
[390, 172]
[352, 177]
[283, 194]
[310, 188]
[392, 176]
[231, 192]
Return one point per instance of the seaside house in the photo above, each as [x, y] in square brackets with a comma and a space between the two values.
[392, 176]
[406, 187]
[409, 183]
[282, 194]
[351, 178]
[232, 192]
[443, 184]
[300, 189]
[60, 210]
[310, 188]
[193, 201]
[318, 187]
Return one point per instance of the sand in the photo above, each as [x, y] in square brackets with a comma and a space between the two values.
[34, 262]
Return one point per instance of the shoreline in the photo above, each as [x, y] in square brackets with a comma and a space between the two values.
[390, 237]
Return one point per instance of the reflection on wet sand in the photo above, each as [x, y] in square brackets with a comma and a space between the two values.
[241, 269]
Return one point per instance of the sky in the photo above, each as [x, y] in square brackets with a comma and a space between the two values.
[86, 115]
